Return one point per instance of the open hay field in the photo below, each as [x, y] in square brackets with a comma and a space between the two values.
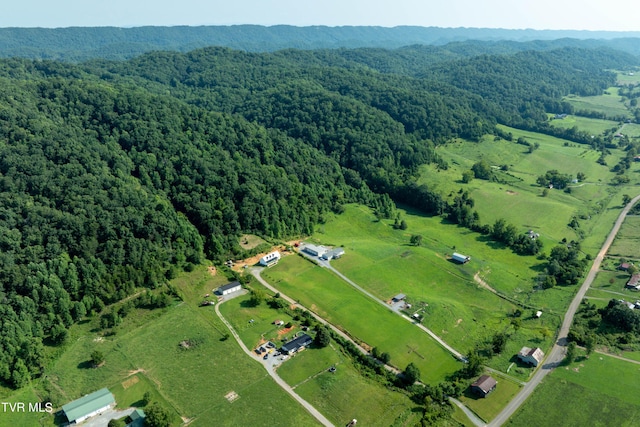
[627, 242]
[339, 303]
[594, 126]
[609, 103]
[601, 390]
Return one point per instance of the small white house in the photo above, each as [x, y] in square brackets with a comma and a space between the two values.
[270, 259]
[532, 356]
[229, 288]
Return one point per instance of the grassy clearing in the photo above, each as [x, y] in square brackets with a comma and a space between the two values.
[609, 103]
[602, 391]
[627, 242]
[17, 418]
[345, 394]
[459, 309]
[250, 241]
[595, 126]
[561, 402]
[488, 407]
[193, 382]
[330, 297]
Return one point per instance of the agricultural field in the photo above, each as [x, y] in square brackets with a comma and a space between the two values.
[333, 299]
[192, 381]
[609, 103]
[627, 242]
[595, 126]
[459, 308]
[345, 394]
[602, 391]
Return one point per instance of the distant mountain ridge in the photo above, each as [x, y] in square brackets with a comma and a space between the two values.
[82, 43]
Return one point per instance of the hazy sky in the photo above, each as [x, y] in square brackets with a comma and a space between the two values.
[614, 15]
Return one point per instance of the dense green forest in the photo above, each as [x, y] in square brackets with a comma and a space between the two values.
[114, 175]
[81, 43]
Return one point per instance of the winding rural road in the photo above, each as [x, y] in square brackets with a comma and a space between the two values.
[557, 353]
[310, 408]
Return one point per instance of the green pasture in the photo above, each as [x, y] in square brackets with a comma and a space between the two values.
[488, 407]
[561, 402]
[632, 130]
[192, 382]
[594, 126]
[344, 394]
[627, 77]
[333, 299]
[627, 242]
[610, 280]
[609, 103]
[18, 418]
[239, 313]
[601, 390]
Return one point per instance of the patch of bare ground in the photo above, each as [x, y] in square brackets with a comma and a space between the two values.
[482, 283]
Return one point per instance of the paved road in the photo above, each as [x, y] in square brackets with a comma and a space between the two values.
[327, 265]
[310, 408]
[557, 353]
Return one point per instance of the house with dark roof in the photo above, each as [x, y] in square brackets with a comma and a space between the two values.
[88, 406]
[229, 288]
[532, 356]
[296, 344]
[484, 385]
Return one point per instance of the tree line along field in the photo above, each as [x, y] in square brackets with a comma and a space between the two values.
[191, 383]
[608, 103]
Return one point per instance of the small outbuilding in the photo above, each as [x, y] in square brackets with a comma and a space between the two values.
[624, 266]
[398, 298]
[314, 250]
[459, 258]
[229, 288]
[296, 344]
[89, 406]
[484, 385]
[136, 419]
[270, 259]
[532, 356]
[333, 254]
[634, 282]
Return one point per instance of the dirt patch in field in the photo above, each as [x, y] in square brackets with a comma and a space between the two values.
[231, 396]
[285, 331]
[248, 262]
[212, 270]
[512, 193]
[458, 322]
[131, 381]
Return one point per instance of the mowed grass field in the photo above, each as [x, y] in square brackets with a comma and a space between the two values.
[627, 242]
[333, 299]
[192, 382]
[345, 394]
[608, 103]
[599, 391]
[459, 310]
[587, 124]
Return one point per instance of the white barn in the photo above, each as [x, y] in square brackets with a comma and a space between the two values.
[229, 288]
[314, 250]
[270, 259]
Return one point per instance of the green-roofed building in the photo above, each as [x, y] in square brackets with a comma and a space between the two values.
[136, 418]
[88, 406]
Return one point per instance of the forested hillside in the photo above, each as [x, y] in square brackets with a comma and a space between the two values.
[79, 43]
[115, 175]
